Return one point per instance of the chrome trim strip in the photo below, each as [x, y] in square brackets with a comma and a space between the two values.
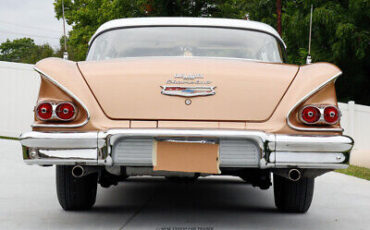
[195, 141]
[59, 140]
[306, 158]
[322, 85]
[188, 94]
[308, 166]
[199, 57]
[259, 137]
[52, 161]
[60, 86]
[70, 155]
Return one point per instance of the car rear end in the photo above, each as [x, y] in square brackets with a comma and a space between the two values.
[111, 117]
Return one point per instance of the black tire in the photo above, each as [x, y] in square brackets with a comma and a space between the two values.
[293, 196]
[75, 193]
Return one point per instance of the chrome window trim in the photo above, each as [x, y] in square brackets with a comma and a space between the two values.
[186, 22]
[322, 85]
[69, 93]
[199, 57]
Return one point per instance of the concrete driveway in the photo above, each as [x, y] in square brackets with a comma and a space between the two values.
[28, 201]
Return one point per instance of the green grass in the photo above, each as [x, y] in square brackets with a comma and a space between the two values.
[356, 171]
[9, 138]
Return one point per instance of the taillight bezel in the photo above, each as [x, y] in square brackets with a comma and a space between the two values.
[54, 116]
[321, 120]
[338, 115]
[306, 122]
[73, 106]
[37, 108]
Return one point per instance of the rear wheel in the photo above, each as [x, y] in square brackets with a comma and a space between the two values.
[75, 193]
[293, 196]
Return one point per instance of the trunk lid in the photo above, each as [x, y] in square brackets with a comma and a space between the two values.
[237, 90]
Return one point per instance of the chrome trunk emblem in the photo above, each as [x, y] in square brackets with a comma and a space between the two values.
[188, 91]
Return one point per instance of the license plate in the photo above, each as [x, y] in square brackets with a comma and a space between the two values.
[186, 157]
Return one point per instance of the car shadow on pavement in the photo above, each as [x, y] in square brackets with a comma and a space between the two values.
[167, 196]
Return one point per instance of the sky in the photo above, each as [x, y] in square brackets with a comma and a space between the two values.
[30, 18]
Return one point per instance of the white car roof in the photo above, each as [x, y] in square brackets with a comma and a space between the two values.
[186, 21]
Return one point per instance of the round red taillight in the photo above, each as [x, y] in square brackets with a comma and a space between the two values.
[310, 114]
[65, 111]
[331, 114]
[44, 111]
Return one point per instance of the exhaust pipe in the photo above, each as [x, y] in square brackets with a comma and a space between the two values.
[79, 171]
[294, 175]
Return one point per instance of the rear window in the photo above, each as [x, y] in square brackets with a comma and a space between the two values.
[185, 41]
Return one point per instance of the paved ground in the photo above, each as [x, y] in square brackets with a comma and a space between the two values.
[28, 201]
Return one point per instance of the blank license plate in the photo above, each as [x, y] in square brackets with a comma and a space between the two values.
[186, 157]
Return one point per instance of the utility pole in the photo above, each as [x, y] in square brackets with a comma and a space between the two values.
[278, 13]
[65, 53]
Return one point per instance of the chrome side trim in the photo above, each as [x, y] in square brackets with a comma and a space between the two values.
[322, 85]
[60, 86]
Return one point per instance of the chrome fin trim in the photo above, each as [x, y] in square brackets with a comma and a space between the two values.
[303, 99]
[69, 93]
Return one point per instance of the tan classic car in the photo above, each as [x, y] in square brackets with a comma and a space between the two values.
[182, 98]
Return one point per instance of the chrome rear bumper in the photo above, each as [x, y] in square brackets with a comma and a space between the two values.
[274, 150]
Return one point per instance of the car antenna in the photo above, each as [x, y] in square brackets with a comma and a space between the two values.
[65, 53]
[309, 58]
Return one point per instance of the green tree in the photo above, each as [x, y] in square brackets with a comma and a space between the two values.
[24, 50]
[340, 35]
[86, 16]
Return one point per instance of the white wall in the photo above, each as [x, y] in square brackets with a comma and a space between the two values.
[19, 86]
[356, 123]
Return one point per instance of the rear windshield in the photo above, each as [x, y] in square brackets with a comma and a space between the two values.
[185, 41]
